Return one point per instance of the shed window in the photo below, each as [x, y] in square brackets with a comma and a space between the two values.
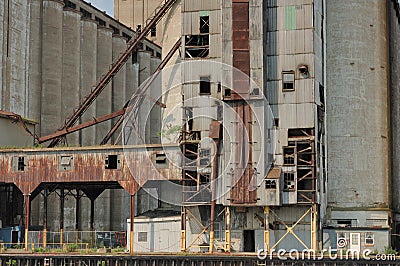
[369, 239]
[289, 182]
[205, 85]
[288, 79]
[142, 237]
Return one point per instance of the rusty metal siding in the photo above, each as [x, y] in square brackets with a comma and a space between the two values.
[89, 166]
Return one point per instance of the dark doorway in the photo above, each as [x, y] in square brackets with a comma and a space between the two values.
[14, 237]
[249, 241]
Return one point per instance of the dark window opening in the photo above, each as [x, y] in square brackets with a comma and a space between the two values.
[115, 29]
[112, 162]
[153, 31]
[304, 154]
[276, 122]
[288, 79]
[205, 178]
[322, 94]
[270, 184]
[150, 50]
[369, 239]
[197, 46]
[227, 93]
[205, 85]
[161, 158]
[288, 182]
[288, 155]
[344, 223]
[158, 55]
[85, 13]
[21, 163]
[134, 57]
[205, 24]
[127, 36]
[100, 21]
[69, 4]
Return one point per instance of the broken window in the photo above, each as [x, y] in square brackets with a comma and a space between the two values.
[69, 4]
[205, 85]
[288, 79]
[205, 157]
[85, 13]
[270, 184]
[100, 21]
[369, 239]
[19, 164]
[142, 237]
[288, 155]
[204, 24]
[112, 162]
[288, 182]
[227, 93]
[197, 46]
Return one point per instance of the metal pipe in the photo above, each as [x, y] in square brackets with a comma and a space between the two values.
[62, 198]
[228, 230]
[27, 200]
[213, 195]
[266, 229]
[132, 216]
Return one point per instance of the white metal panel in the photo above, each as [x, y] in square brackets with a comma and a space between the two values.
[215, 45]
[215, 21]
[256, 22]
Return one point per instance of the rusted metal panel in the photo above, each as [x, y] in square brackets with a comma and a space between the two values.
[89, 165]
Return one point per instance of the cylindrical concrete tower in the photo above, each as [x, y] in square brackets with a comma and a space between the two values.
[51, 66]
[144, 114]
[155, 93]
[35, 60]
[104, 60]
[71, 67]
[88, 75]
[132, 78]
[357, 104]
[119, 80]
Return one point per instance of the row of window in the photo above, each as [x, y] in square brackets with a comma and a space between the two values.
[369, 239]
[111, 162]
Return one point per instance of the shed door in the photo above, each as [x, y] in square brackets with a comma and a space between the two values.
[355, 244]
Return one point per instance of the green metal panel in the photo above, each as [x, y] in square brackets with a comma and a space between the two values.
[204, 13]
[290, 18]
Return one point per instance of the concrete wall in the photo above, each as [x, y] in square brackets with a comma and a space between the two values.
[395, 114]
[16, 135]
[357, 104]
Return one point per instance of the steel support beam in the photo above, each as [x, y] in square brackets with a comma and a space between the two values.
[27, 200]
[132, 228]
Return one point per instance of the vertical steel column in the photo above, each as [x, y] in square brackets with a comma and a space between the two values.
[77, 215]
[314, 204]
[62, 198]
[266, 229]
[183, 229]
[132, 216]
[46, 194]
[91, 221]
[213, 195]
[228, 230]
[27, 199]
